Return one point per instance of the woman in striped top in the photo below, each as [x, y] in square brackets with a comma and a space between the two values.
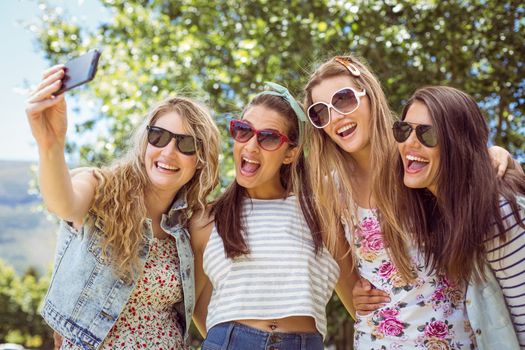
[270, 276]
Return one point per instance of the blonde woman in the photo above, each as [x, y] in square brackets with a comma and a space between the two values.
[352, 153]
[123, 275]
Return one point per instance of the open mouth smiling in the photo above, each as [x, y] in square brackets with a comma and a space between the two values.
[346, 129]
[416, 163]
[249, 166]
[167, 167]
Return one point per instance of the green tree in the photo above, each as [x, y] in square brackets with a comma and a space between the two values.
[20, 298]
[8, 309]
[222, 51]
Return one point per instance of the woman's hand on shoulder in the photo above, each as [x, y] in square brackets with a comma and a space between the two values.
[46, 112]
[502, 160]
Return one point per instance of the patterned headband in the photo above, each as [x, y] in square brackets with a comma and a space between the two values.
[279, 90]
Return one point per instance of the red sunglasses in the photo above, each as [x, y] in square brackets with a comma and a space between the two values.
[268, 139]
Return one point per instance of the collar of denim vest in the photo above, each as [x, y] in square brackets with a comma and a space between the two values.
[177, 211]
[179, 202]
[173, 220]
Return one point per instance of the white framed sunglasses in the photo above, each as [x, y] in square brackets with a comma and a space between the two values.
[344, 101]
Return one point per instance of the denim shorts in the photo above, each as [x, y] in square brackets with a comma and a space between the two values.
[236, 336]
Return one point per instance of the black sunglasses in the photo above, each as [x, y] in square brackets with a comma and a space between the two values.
[159, 137]
[426, 134]
[268, 139]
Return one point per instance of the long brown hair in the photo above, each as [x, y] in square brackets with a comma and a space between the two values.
[331, 168]
[119, 208]
[450, 229]
[229, 205]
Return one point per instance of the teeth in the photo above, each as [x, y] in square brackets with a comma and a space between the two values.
[250, 161]
[166, 166]
[417, 159]
[346, 127]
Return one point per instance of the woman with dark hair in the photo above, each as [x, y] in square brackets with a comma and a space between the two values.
[263, 252]
[460, 215]
[468, 224]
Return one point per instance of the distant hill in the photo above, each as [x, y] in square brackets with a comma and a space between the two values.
[27, 235]
[14, 181]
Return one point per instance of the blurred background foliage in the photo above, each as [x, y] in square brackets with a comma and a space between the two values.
[20, 296]
[221, 52]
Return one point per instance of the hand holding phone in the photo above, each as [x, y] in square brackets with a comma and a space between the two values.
[79, 70]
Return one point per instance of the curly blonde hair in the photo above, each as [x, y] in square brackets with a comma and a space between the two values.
[331, 168]
[119, 209]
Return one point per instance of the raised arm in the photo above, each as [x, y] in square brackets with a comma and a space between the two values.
[47, 117]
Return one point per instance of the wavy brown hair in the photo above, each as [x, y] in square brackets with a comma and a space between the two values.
[119, 209]
[230, 225]
[331, 167]
[450, 229]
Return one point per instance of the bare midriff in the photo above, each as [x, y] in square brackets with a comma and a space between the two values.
[292, 324]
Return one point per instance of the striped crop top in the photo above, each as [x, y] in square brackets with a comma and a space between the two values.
[280, 277]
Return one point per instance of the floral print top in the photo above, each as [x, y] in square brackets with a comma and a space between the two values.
[148, 320]
[428, 314]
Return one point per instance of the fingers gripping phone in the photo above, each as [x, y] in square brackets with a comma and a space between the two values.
[79, 70]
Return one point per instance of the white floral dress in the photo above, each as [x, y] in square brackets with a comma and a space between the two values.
[428, 314]
[148, 320]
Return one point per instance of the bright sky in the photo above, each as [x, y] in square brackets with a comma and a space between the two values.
[20, 62]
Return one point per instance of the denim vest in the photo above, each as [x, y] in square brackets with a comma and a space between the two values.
[85, 297]
[488, 313]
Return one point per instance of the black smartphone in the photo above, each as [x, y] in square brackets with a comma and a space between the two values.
[79, 70]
